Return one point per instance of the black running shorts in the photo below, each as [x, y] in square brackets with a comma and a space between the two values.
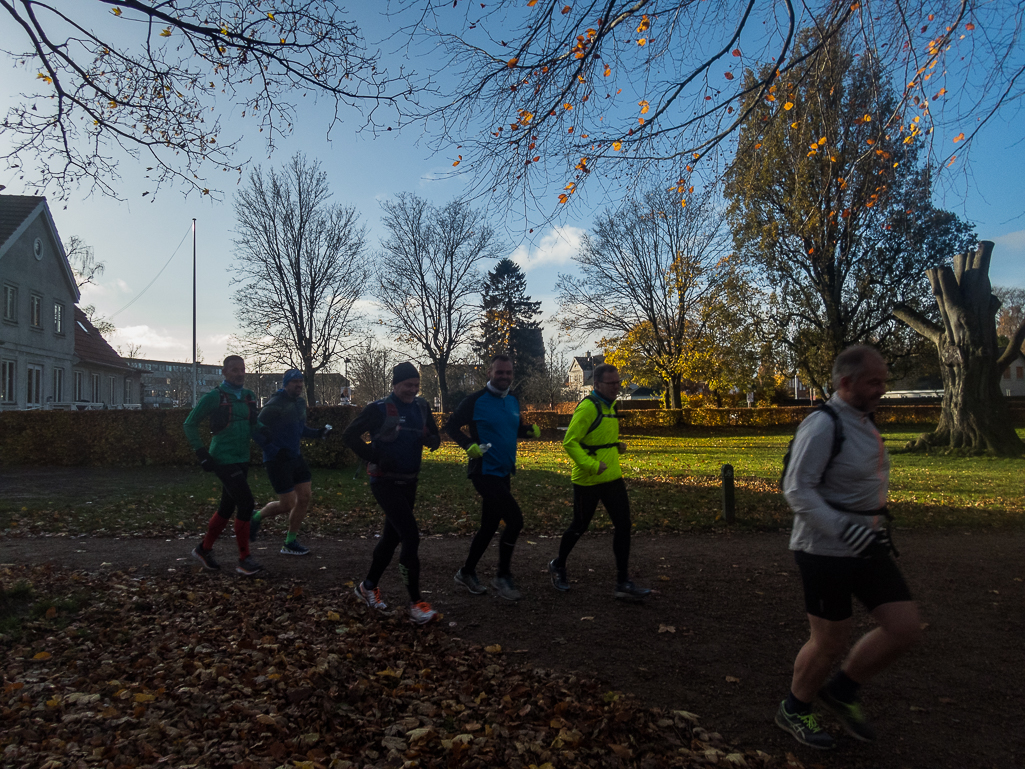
[830, 582]
[285, 473]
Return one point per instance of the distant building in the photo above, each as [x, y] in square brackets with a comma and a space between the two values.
[581, 374]
[168, 384]
[51, 356]
[101, 378]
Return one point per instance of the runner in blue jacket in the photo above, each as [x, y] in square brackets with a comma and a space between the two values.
[281, 426]
[492, 416]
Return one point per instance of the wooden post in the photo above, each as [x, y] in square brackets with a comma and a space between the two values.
[729, 505]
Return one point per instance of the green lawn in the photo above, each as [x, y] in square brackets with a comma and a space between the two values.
[674, 483]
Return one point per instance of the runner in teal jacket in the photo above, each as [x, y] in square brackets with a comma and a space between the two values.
[231, 412]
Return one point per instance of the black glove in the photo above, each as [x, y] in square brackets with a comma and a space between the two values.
[866, 542]
[205, 460]
[432, 441]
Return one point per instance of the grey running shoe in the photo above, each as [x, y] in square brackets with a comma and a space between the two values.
[294, 549]
[205, 557]
[421, 613]
[371, 597]
[628, 591]
[850, 716]
[506, 588]
[470, 582]
[248, 566]
[254, 528]
[559, 579]
[804, 728]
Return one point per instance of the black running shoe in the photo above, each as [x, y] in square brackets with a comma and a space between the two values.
[559, 579]
[248, 566]
[628, 591]
[294, 548]
[470, 582]
[205, 557]
[850, 716]
[804, 727]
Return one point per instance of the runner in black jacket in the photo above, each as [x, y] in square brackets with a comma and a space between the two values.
[399, 427]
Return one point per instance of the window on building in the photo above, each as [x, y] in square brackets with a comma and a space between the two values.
[58, 318]
[58, 385]
[10, 303]
[111, 385]
[1007, 373]
[8, 381]
[96, 388]
[35, 385]
[128, 391]
[36, 314]
[79, 386]
[1019, 372]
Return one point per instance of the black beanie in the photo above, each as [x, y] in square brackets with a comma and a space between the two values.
[403, 372]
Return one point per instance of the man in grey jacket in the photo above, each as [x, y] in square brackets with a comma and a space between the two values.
[836, 483]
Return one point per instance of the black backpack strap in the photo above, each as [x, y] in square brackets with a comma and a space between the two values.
[838, 438]
[592, 449]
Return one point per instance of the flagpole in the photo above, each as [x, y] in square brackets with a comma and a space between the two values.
[194, 367]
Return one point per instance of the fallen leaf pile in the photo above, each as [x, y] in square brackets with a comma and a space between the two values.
[184, 671]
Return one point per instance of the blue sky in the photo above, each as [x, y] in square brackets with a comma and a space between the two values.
[135, 238]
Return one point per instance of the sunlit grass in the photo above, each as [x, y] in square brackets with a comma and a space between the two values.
[673, 480]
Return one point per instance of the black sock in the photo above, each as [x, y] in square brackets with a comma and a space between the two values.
[843, 688]
[794, 705]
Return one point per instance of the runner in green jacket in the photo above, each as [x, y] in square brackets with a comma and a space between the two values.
[592, 442]
[231, 411]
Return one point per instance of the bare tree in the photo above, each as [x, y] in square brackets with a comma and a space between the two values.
[549, 91]
[547, 384]
[974, 418]
[648, 274]
[86, 269]
[153, 79]
[300, 266]
[370, 369]
[129, 350]
[428, 279]
[1012, 309]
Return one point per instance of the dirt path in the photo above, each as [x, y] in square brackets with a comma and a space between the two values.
[728, 607]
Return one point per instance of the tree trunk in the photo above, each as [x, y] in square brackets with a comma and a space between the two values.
[440, 366]
[974, 418]
[674, 390]
[311, 385]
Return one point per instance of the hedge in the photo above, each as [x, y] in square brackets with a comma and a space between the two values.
[155, 437]
[125, 438]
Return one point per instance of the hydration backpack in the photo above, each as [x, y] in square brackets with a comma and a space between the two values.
[221, 418]
[593, 449]
[838, 438]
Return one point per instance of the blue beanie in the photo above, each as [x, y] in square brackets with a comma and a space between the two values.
[292, 373]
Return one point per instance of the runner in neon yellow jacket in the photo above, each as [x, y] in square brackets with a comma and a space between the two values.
[592, 442]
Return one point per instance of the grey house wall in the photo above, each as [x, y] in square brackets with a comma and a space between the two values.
[48, 278]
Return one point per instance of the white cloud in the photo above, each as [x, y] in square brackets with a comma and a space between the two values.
[1012, 241]
[558, 247]
[155, 343]
[124, 287]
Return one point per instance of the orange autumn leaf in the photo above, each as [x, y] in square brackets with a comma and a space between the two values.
[566, 9]
[643, 41]
[736, 52]
[512, 63]
[728, 75]
[644, 106]
[788, 106]
[958, 138]
[969, 26]
[608, 70]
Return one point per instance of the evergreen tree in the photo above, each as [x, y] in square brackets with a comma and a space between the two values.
[508, 322]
